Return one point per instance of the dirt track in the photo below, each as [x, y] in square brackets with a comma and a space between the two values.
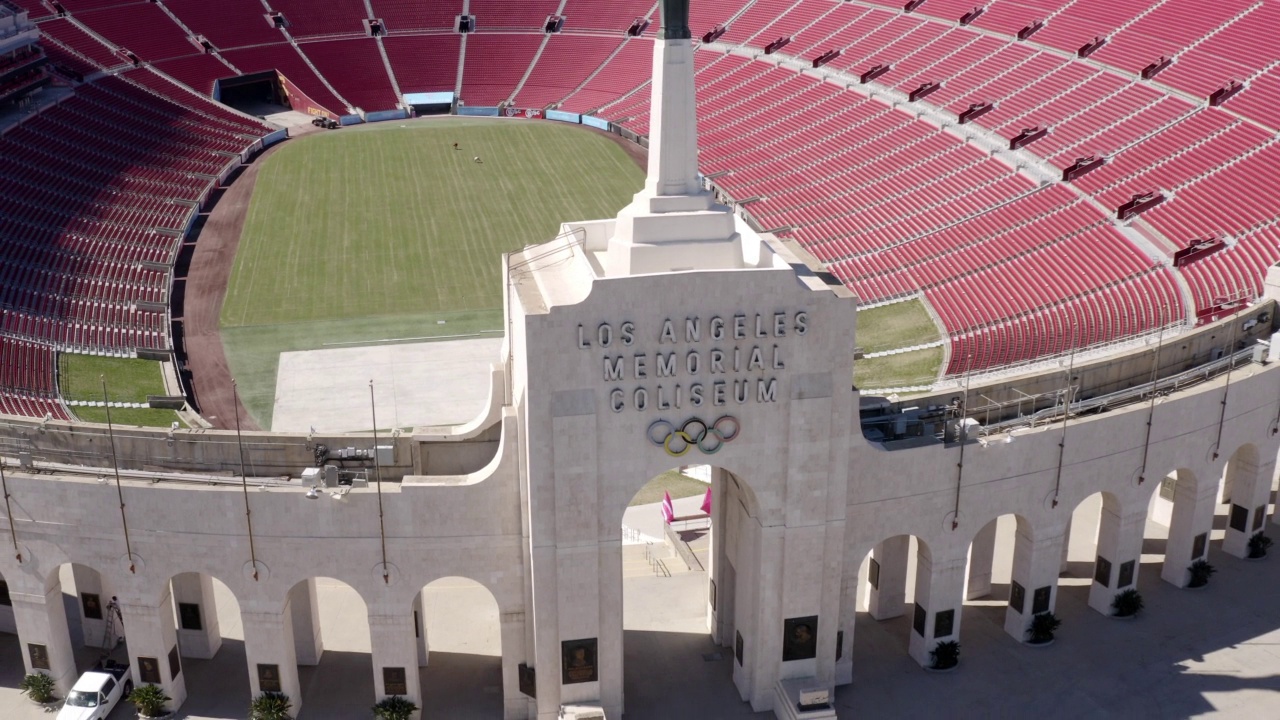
[206, 288]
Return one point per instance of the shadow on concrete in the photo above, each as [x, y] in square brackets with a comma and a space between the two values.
[679, 676]
[341, 686]
[461, 685]
[218, 688]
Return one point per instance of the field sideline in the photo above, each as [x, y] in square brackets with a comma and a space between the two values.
[386, 231]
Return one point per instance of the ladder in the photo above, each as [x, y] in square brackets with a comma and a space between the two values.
[109, 640]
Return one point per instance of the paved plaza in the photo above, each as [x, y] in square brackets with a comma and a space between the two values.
[416, 384]
[1212, 652]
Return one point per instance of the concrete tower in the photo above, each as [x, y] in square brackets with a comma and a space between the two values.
[673, 223]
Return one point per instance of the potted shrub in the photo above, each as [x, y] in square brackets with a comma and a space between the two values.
[1258, 545]
[1200, 571]
[270, 706]
[1042, 627]
[150, 701]
[945, 655]
[1127, 603]
[394, 708]
[38, 687]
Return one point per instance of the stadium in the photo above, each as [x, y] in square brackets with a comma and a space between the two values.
[316, 248]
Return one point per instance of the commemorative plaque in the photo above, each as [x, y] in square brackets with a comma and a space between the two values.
[268, 678]
[175, 664]
[800, 638]
[149, 670]
[1259, 516]
[737, 648]
[91, 605]
[189, 616]
[1239, 518]
[39, 656]
[1126, 574]
[528, 680]
[918, 621]
[394, 681]
[1017, 596]
[839, 645]
[578, 661]
[873, 574]
[1102, 572]
[4, 594]
[944, 624]
[1199, 545]
[1040, 601]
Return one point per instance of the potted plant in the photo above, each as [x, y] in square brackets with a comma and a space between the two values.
[945, 655]
[38, 687]
[1042, 627]
[394, 708]
[1127, 603]
[271, 706]
[150, 701]
[1200, 571]
[1258, 545]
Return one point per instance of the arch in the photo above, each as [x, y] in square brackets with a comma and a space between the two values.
[627, 489]
[211, 642]
[461, 643]
[332, 645]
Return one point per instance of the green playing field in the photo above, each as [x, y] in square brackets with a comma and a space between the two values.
[384, 231]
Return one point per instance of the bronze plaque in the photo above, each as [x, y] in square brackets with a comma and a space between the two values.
[1040, 601]
[873, 574]
[712, 595]
[39, 656]
[1239, 518]
[1198, 547]
[1017, 596]
[944, 624]
[268, 678]
[1126, 574]
[91, 605]
[394, 681]
[175, 665]
[578, 658]
[1259, 516]
[1102, 572]
[800, 638]
[189, 616]
[149, 670]
[528, 680]
[737, 647]
[839, 645]
[4, 594]
[417, 625]
[918, 621]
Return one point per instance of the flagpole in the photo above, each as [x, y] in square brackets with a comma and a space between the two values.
[244, 480]
[8, 512]
[115, 465]
[377, 469]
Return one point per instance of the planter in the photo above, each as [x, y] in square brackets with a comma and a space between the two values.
[1123, 617]
[1250, 557]
[1195, 587]
[165, 716]
[48, 705]
[1042, 643]
[942, 670]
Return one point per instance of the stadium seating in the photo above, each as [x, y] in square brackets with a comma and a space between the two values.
[892, 195]
[27, 380]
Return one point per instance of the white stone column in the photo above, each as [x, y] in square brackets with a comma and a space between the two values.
[152, 639]
[888, 582]
[1249, 498]
[305, 611]
[939, 589]
[1033, 581]
[42, 621]
[1194, 500]
[981, 556]
[198, 633]
[269, 650]
[719, 593]
[515, 704]
[1119, 542]
[395, 655]
[847, 625]
[420, 631]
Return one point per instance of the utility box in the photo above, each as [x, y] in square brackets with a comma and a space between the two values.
[386, 454]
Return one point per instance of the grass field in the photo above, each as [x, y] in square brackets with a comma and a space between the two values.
[894, 326]
[918, 367]
[672, 481]
[80, 378]
[383, 231]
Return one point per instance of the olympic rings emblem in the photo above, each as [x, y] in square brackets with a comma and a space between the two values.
[694, 432]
